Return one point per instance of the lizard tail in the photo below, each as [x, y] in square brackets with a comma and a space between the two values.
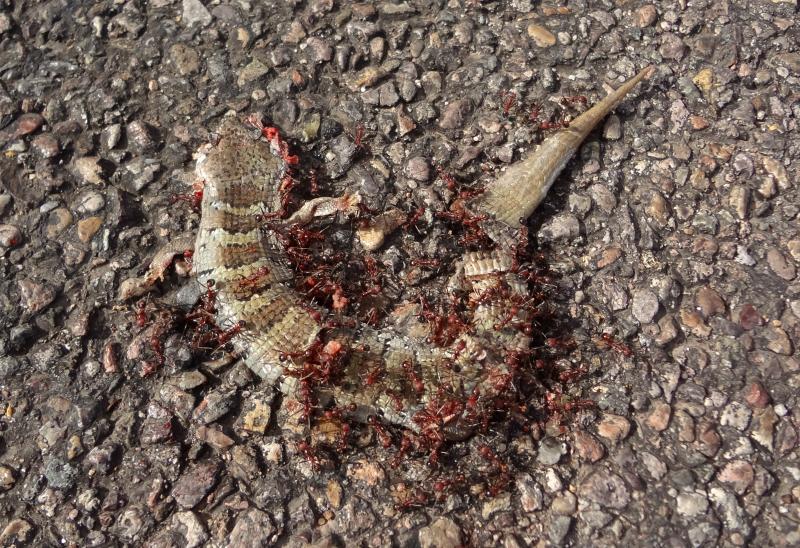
[512, 197]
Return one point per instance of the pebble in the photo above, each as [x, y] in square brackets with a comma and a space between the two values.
[659, 416]
[530, 494]
[405, 124]
[777, 341]
[87, 228]
[690, 505]
[253, 528]
[60, 475]
[27, 124]
[645, 16]
[110, 136]
[190, 528]
[730, 512]
[614, 428]
[550, 451]
[644, 306]
[157, 425]
[756, 395]
[442, 533]
[195, 13]
[654, 466]
[189, 380]
[365, 471]
[735, 414]
[46, 146]
[418, 169]
[707, 439]
[195, 483]
[558, 529]
[344, 150]
[698, 123]
[562, 227]
[215, 405]
[321, 51]
[214, 437]
[7, 479]
[739, 200]
[387, 95]
[141, 137]
[739, 474]
[256, 414]
[17, 533]
[606, 489]
[564, 504]
[603, 197]
[780, 265]
[185, 58]
[777, 171]
[140, 172]
[709, 302]
[541, 36]
[763, 426]
[672, 47]
[612, 130]
[453, 115]
[90, 202]
[587, 446]
[10, 236]
[496, 505]
[89, 169]
[35, 296]
[180, 402]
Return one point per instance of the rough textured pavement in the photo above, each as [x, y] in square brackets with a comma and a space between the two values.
[675, 231]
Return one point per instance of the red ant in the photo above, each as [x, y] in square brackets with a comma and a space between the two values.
[413, 218]
[571, 375]
[416, 381]
[372, 317]
[141, 313]
[417, 500]
[226, 336]
[426, 263]
[273, 135]
[448, 179]
[253, 280]
[555, 404]
[474, 234]
[313, 182]
[533, 116]
[188, 256]
[560, 344]
[358, 138]
[449, 484]
[563, 124]
[509, 99]
[194, 198]
[574, 99]
[405, 446]
[373, 376]
[309, 453]
[503, 478]
[469, 193]
[383, 435]
[616, 345]
[397, 399]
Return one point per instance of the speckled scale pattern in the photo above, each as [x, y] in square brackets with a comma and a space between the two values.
[242, 176]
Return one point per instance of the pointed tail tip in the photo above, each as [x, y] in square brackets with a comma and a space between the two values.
[648, 72]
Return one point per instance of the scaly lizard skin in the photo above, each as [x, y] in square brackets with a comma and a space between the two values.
[281, 329]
